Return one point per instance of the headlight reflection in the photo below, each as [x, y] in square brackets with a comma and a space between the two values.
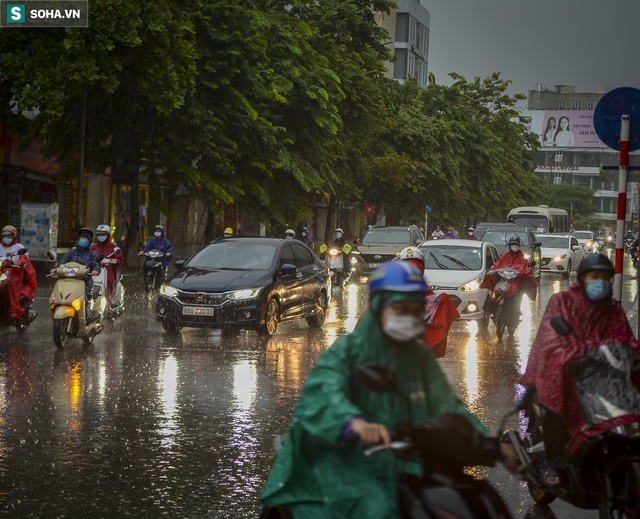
[471, 363]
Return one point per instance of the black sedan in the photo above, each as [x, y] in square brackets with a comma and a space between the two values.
[248, 283]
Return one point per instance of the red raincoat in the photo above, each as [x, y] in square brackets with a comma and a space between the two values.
[441, 313]
[598, 323]
[114, 270]
[524, 282]
[22, 281]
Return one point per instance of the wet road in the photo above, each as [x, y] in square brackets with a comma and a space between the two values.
[141, 423]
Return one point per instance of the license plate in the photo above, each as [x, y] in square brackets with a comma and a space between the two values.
[374, 265]
[197, 310]
[543, 263]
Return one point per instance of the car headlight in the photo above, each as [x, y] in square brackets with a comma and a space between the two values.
[560, 257]
[471, 286]
[527, 256]
[168, 291]
[246, 293]
[588, 244]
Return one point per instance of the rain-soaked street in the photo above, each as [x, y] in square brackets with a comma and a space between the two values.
[146, 424]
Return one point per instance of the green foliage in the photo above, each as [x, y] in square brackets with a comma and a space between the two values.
[587, 222]
[566, 196]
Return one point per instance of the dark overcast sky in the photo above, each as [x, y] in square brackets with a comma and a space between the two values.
[585, 43]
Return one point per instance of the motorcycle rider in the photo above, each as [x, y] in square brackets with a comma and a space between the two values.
[589, 308]
[470, 234]
[228, 233]
[83, 254]
[305, 238]
[22, 283]
[450, 234]
[437, 234]
[159, 242]
[321, 470]
[114, 263]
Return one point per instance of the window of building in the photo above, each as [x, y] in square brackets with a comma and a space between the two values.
[591, 105]
[561, 105]
[576, 105]
[402, 27]
[400, 65]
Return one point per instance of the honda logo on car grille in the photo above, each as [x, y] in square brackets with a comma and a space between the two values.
[200, 297]
[377, 257]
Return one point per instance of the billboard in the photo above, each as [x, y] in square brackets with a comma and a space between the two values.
[564, 128]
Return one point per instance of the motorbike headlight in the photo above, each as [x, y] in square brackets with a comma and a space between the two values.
[333, 252]
[246, 293]
[560, 257]
[70, 272]
[471, 286]
[3, 276]
[168, 291]
[527, 256]
[354, 261]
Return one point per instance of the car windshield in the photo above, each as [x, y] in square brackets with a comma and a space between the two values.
[452, 258]
[399, 236]
[502, 238]
[554, 242]
[583, 235]
[234, 255]
[535, 223]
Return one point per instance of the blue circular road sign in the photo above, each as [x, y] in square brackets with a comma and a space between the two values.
[608, 114]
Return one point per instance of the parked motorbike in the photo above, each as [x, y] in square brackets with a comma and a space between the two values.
[100, 300]
[444, 445]
[152, 271]
[6, 319]
[335, 261]
[505, 311]
[604, 472]
[67, 303]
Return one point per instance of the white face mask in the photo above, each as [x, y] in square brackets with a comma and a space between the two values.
[157, 234]
[403, 328]
[515, 248]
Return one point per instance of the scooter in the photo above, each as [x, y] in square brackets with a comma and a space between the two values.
[29, 314]
[152, 271]
[335, 261]
[505, 311]
[444, 445]
[604, 471]
[628, 242]
[100, 300]
[68, 302]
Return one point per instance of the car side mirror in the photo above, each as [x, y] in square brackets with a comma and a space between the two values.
[377, 378]
[576, 247]
[21, 251]
[561, 326]
[50, 255]
[288, 269]
[532, 263]
[179, 264]
[537, 244]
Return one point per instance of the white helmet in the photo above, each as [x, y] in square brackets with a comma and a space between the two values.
[290, 232]
[413, 253]
[103, 228]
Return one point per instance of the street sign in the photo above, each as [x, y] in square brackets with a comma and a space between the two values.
[608, 113]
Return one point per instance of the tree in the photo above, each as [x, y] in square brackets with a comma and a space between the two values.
[576, 200]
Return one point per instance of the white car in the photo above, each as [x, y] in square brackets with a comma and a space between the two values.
[587, 240]
[560, 254]
[457, 268]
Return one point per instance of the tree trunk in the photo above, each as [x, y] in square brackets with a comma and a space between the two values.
[328, 228]
[209, 229]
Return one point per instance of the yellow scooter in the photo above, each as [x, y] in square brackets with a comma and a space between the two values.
[67, 305]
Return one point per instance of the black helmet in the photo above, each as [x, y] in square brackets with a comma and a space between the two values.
[515, 240]
[595, 262]
[86, 232]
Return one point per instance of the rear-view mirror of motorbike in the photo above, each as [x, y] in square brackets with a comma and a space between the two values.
[179, 264]
[99, 258]
[287, 269]
[21, 251]
[561, 326]
[117, 250]
[377, 378]
[50, 255]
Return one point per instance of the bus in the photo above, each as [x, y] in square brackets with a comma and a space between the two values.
[541, 219]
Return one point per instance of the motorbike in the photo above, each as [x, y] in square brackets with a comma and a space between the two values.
[68, 302]
[634, 257]
[152, 271]
[505, 311]
[100, 300]
[29, 314]
[444, 446]
[604, 471]
[335, 261]
[628, 244]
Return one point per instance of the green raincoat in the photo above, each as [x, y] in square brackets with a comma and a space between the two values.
[317, 474]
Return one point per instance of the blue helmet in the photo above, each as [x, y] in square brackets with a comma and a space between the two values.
[306, 229]
[397, 276]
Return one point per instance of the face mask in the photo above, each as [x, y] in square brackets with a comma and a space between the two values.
[7, 240]
[83, 243]
[157, 234]
[304, 234]
[338, 235]
[470, 233]
[598, 289]
[403, 328]
[515, 248]
[102, 239]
